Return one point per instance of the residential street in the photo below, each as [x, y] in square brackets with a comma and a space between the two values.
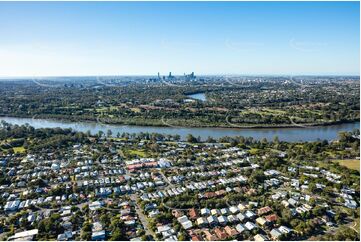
[142, 217]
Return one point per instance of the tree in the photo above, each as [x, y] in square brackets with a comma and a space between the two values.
[191, 139]
[342, 234]
[50, 225]
[182, 236]
[86, 235]
[86, 231]
[257, 176]
[104, 219]
[276, 139]
[177, 137]
[210, 140]
[117, 235]
[318, 211]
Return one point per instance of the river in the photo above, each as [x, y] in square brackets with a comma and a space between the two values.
[198, 96]
[284, 134]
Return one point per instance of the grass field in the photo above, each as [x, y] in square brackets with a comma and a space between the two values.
[351, 164]
[253, 151]
[20, 149]
[274, 111]
[139, 153]
[136, 110]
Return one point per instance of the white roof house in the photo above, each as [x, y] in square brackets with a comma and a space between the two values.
[187, 225]
[250, 214]
[232, 218]
[240, 228]
[182, 219]
[284, 229]
[222, 219]
[25, 235]
[250, 226]
[261, 221]
[233, 209]
[224, 211]
[215, 211]
[241, 207]
[275, 233]
[241, 217]
[163, 228]
[260, 237]
[202, 221]
[212, 219]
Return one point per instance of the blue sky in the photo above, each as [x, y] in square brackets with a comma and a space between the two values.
[142, 38]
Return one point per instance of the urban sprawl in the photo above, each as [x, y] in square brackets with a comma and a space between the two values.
[58, 184]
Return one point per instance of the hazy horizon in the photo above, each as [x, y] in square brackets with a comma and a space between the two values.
[178, 75]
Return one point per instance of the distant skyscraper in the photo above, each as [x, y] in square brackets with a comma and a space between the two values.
[190, 77]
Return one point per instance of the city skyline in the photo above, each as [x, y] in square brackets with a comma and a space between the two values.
[209, 38]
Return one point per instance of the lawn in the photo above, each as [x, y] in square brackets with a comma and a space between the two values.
[136, 110]
[274, 111]
[253, 151]
[140, 153]
[106, 109]
[351, 164]
[20, 149]
[263, 111]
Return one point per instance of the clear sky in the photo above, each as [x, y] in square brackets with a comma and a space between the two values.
[130, 38]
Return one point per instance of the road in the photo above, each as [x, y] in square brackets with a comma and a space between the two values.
[166, 180]
[142, 217]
